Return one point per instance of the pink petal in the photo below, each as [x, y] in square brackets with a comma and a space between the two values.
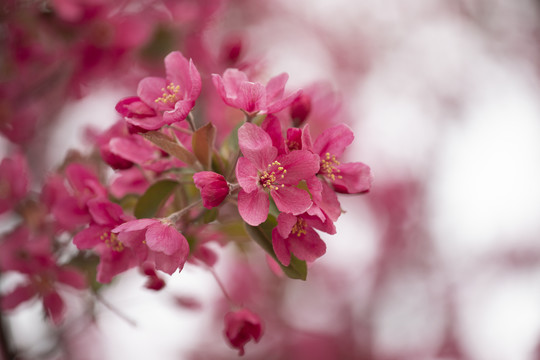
[72, 278]
[135, 225]
[132, 150]
[179, 113]
[354, 178]
[54, 306]
[147, 123]
[285, 224]
[279, 243]
[177, 70]
[291, 199]
[104, 212]
[333, 140]
[247, 175]
[90, 237]
[253, 207]
[276, 87]
[150, 89]
[308, 247]
[256, 145]
[166, 239]
[251, 97]
[300, 165]
[19, 295]
[281, 104]
[272, 126]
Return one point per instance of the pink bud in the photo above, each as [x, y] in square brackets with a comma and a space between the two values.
[213, 187]
[241, 326]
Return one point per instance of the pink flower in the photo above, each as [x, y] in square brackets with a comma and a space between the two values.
[115, 258]
[13, 181]
[241, 326]
[349, 178]
[237, 91]
[174, 95]
[262, 171]
[213, 187]
[296, 235]
[157, 240]
[139, 114]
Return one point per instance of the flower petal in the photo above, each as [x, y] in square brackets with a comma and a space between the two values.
[291, 199]
[354, 178]
[246, 174]
[256, 145]
[333, 140]
[253, 206]
[166, 239]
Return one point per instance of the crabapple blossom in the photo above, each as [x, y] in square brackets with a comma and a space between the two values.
[262, 172]
[156, 242]
[174, 95]
[237, 91]
[241, 326]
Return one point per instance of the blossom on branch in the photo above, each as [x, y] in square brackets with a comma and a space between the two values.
[241, 326]
[262, 172]
[238, 92]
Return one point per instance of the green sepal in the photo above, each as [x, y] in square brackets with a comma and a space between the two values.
[262, 235]
[154, 198]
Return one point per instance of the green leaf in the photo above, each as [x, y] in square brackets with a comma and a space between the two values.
[154, 198]
[210, 215]
[171, 146]
[262, 235]
[202, 142]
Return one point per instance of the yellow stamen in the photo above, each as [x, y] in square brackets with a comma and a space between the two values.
[299, 228]
[268, 177]
[329, 165]
[111, 240]
[170, 95]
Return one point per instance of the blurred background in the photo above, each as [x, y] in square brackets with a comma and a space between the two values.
[441, 260]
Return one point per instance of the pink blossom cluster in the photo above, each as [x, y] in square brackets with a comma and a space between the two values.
[178, 182]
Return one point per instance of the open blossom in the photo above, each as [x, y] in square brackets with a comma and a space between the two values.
[115, 258]
[348, 178]
[213, 187]
[174, 95]
[241, 326]
[156, 242]
[296, 235]
[139, 114]
[237, 91]
[262, 171]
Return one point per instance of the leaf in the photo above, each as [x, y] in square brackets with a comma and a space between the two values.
[154, 198]
[171, 146]
[202, 142]
[262, 235]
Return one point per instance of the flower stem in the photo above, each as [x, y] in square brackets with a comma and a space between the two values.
[115, 310]
[176, 215]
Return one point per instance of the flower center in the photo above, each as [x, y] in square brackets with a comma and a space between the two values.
[270, 177]
[299, 228]
[111, 239]
[170, 95]
[329, 165]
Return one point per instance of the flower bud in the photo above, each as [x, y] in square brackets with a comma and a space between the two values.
[241, 326]
[213, 187]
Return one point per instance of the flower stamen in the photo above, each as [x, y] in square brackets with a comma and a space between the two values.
[111, 240]
[299, 228]
[170, 94]
[269, 177]
[329, 165]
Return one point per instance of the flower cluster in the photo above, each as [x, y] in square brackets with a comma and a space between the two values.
[177, 186]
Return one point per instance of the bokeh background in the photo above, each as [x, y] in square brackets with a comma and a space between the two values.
[441, 260]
